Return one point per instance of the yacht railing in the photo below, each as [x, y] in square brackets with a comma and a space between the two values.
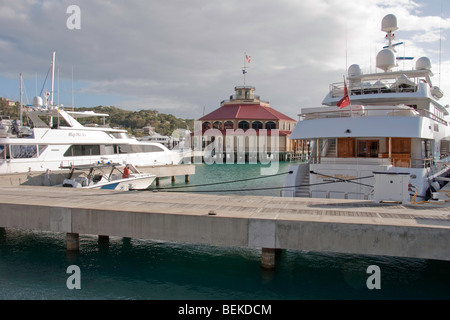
[395, 161]
[368, 112]
[387, 86]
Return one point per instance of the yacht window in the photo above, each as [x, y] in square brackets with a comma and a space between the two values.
[120, 135]
[116, 135]
[82, 150]
[23, 151]
[367, 148]
[42, 148]
[139, 148]
[426, 147]
[107, 149]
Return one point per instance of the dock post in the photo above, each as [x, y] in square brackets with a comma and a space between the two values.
[268, 258]
[126, 243]
[103, 239]
[72, 242]
[2, 235]
[103, 243]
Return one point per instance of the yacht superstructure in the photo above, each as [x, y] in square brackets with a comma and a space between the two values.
[375, 128]
[57, 139]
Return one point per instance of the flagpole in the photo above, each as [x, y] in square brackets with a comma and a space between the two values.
[348, 96]
[349, 100]
[345, 101]
[244, 68]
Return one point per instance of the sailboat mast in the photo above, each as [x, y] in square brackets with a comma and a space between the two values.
[20, 109]
[53, 79]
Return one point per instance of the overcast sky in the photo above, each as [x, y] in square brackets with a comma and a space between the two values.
[185, 56]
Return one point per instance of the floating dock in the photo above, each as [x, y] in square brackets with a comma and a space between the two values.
[270, 223]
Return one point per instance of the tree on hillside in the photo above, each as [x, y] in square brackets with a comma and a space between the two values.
[133, 121]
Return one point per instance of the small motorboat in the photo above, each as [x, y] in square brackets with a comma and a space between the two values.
[112, 176]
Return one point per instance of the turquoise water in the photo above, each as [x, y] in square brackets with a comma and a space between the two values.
[217, 173]
[33, 265]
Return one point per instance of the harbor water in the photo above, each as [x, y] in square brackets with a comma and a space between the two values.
[33, 265]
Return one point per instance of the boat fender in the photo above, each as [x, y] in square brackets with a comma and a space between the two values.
[434, 186]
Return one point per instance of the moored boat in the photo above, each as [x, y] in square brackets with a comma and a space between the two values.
[57, 139]
[374, 132]
[98, 177]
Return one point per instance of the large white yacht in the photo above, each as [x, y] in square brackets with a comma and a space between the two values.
[380, 136]
[58, 140]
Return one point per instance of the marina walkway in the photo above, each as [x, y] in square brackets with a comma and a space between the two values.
[269, 223]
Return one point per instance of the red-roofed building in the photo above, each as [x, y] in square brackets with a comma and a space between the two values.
[246, 111]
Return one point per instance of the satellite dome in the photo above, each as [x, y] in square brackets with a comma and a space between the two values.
[354, 70]
[386, 60]
[389, 23]
[37, 102]
[423, 63]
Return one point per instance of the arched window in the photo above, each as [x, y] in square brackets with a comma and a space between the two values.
[206, 125]
[244, 125]
[217, 124]
[271, 125]
[228, 125]
[257, 125]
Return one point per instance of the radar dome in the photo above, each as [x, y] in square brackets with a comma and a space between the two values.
[389, 23]
[354, 70]
[37, 102]
[386, 60]
[423, 63]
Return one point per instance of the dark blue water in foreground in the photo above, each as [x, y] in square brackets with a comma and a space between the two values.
[33, 266]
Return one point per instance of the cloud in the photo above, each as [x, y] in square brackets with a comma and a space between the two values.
[182, 56]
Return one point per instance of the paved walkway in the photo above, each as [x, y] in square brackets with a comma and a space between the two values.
[323, 225]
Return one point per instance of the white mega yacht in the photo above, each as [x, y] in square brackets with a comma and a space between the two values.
[58, 140]
[381, 136]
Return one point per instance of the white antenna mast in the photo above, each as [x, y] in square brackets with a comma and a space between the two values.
[346, 47]
[58, 84]
[53, 79]
[440, 43]
[72, 87]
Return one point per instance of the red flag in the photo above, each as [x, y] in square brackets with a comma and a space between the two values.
[345, 101]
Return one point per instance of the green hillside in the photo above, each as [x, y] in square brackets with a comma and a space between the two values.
[132, 121]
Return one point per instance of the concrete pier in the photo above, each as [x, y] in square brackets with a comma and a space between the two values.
[265, 223]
